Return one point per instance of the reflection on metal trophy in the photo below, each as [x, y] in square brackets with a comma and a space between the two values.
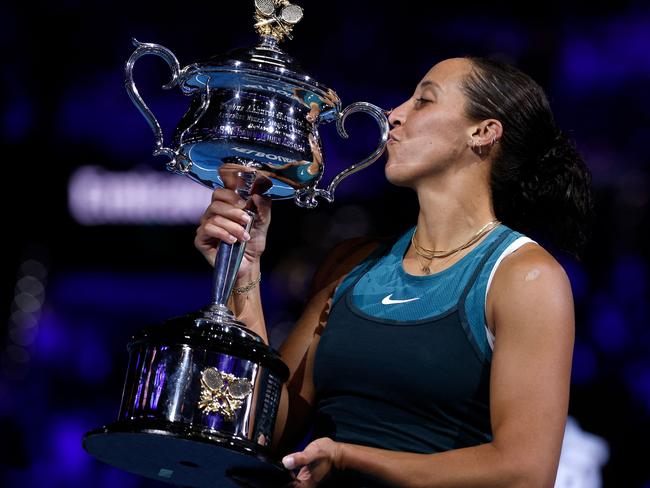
[202, 391]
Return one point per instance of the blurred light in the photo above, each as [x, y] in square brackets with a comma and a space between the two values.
[52, 342]
[34, 268]
[27, 303]
[577, 277]
[66, 450]
[17, 354]
[630, 282]
[637, 377]
[160, 294]
[18, 118]
[30, 285]
[22, 336]
[96, 110]
[6, 399]
[609, 56]
[23, 323]
[93, 360]
[582, 457]
[111, 477]
[584, 363]
[608, 325]
[23, 319]
[97, 197]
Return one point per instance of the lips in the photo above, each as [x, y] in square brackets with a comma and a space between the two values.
[391, 137]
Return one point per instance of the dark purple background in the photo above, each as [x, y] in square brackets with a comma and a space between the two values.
[63, 106]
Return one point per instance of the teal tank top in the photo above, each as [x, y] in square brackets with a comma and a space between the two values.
[386, 291]
[408, 374]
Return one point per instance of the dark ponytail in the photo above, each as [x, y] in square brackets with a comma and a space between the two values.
[540, 184]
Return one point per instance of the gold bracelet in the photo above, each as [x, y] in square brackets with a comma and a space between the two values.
[244, 289]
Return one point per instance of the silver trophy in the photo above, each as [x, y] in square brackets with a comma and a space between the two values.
[202, 391]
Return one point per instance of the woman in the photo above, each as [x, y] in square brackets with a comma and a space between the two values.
[441, 359]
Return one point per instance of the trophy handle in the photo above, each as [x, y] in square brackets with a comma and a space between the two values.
[307, 197]
[143, 49]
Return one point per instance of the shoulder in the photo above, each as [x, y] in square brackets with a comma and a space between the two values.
[530, 281]
[341, 259]
[529, 263]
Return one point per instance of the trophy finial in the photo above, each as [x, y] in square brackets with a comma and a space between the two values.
[276, 18]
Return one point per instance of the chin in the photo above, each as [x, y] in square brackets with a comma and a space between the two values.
[396, 175]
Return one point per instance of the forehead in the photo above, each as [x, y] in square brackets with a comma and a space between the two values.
[447, 74]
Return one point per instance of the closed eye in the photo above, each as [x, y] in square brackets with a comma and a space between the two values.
[422, 100]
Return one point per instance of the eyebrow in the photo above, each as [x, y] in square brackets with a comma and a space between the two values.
[429, 83]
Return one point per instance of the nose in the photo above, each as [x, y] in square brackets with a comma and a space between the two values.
[394, 117]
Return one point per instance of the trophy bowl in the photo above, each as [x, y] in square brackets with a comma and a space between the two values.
[253, 110]
[202, 391]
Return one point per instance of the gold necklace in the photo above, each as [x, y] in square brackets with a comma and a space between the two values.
[430, 254]
[426, 269]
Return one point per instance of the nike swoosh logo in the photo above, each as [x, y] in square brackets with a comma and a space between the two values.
[387, 300]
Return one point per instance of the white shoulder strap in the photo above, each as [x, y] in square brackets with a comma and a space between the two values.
[516, 244]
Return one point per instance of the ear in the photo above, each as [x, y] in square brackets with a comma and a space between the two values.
[487, 132]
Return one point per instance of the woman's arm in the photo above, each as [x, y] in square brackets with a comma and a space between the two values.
[531, 307]
[299, 348]
[225, 220]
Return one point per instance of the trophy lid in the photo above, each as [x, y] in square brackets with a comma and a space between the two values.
[264, 67]
[265, 64]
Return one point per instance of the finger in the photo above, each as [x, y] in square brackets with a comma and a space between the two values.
[262, 202]
[208, 232]
[297, 459]
[208, 251]
[304, 474]
[229, 196]
[233, 228]
[263, 207]
[226, 210]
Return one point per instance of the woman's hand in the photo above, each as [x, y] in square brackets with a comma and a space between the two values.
[225, 220]
[316, 462]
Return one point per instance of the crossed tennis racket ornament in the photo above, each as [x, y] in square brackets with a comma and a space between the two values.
[223, 393]
[276, 18]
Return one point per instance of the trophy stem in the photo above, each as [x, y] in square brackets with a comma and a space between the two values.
[229, 256]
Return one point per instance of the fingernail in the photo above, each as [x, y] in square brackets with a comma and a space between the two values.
[232, 238]
[288, 462]
[241, 202]
[246, 217]
[247, 236]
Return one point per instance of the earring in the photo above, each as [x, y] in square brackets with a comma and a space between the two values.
[494, 141]
[475, 145]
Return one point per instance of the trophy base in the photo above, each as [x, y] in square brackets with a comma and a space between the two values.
[174, 455]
